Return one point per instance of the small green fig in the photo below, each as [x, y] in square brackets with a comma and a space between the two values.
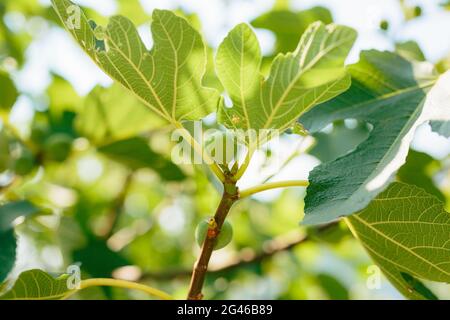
[58, 147]
[225, 235]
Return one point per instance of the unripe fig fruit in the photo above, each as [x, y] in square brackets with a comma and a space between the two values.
[225, 235]
[58, 147]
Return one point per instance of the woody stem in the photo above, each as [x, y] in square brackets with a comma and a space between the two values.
[229, 197]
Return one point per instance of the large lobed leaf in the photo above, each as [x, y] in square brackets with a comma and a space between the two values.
[406, 230]
[297, 81]
[394, 96]
[167, 78]
[37, 285]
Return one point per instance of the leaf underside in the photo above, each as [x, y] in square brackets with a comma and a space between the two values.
[37, 285]
[167, 79]
[406, 230]
[391, 94]
[297, 81]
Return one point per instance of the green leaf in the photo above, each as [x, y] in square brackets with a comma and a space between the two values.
[441, 127]
[110, 114]
[410, 50]
[417, 171]
[37, 285]
[406, 230]
[13, 210]
[341, 140]
[167, 79]
[9, 92]
[313, 74]
[7, 253]
[394, 96]
[8, 213]
[289, 26]
[136, 154]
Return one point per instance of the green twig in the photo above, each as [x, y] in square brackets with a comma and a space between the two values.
[272, 185]
[105, 282]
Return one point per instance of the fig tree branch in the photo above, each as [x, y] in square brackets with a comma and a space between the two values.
[229, 197]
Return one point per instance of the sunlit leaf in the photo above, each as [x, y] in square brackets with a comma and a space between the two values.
[395, 99]
[406, 230]
[167, 78]
[313, 74]
[37, 285]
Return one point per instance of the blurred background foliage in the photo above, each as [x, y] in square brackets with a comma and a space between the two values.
[96, 168]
